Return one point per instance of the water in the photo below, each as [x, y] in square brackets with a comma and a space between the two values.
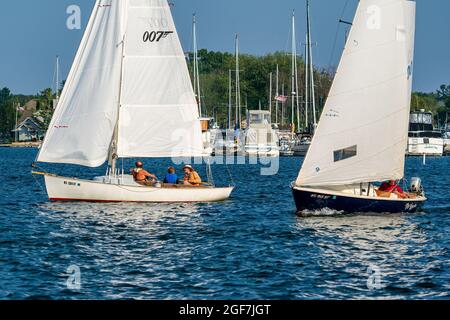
[250, 247]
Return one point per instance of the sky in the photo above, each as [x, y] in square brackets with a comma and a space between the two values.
[33, 32]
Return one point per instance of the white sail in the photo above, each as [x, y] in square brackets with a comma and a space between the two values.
[82, 126]
[363, 131]
[159, 115]
[130, 59]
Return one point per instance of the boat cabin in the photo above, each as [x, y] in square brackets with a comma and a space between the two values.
[258, 119]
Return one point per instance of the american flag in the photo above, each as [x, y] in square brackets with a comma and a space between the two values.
[282, 99]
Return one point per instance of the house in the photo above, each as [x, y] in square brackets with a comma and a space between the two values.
[29, 127]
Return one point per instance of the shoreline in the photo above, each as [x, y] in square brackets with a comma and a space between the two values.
[21, 145]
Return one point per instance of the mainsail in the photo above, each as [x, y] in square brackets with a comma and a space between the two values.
[130, 83]
[159, 115]
[363, 131]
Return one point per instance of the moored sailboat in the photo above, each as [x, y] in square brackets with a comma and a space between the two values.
[363, 131]
[128, 95]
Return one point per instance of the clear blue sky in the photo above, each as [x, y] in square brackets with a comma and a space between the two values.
[33, 32]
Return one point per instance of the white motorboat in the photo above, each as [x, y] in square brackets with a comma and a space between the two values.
[423, 138]
[260, 139]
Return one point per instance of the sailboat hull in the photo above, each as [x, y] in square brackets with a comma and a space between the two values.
[71, 189]
[315, 200]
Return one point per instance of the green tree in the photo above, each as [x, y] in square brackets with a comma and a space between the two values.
[7, 113]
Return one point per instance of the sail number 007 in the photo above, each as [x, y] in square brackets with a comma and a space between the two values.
[155, 36]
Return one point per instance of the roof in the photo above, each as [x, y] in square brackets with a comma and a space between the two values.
[30, 123]
[30, 108]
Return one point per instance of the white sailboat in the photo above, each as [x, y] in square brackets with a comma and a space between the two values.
[128, 95]
[363, 132]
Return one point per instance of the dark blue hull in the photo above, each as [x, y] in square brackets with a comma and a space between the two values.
[312, 201]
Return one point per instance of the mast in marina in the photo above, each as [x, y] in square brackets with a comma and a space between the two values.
[294, 81]
[310, 96]
[197, 90]
[238, 87]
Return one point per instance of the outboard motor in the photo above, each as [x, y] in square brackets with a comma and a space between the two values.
[416, 185]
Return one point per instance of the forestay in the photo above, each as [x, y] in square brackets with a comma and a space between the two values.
[363, 131]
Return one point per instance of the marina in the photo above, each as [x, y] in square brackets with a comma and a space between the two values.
[153, 168]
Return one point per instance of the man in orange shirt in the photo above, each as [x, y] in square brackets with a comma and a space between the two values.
[191, 178]
[142, 176]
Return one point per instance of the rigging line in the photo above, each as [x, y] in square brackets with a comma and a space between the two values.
[233, 184]
[338, 29]
[39, 184]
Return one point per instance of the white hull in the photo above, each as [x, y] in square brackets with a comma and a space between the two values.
[425, 146]
[262, 151]
[447, 146]
[301, 150]
[71, 189]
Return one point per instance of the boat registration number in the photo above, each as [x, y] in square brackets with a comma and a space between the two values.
[320, 196]
[72, 184]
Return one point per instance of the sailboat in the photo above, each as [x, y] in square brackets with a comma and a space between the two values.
[363, 131]
[128, 95]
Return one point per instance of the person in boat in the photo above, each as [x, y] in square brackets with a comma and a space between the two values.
[171, 176]
[142, 176]
[191, 177]
[392, 186]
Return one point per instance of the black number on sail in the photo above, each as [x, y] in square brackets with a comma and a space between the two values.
[155, 36]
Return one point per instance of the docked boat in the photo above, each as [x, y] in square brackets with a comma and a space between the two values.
[423, 138]
[128, 95]
[259, 136]
[208, 136]
[447, 142]
[363, 131]
[302, 145]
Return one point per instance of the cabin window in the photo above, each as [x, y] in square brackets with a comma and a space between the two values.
[346, 153]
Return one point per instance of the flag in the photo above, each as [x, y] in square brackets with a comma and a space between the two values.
[282, 99]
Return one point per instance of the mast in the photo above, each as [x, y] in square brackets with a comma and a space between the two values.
[277, 103]
[293, 92]
[297, 91]
[238, 87]
[57, 83]
[270, 94]
[311, 66]
[307, 81]
[282, 106]
[197, 90]
[16, 133]
[113, 149]
[230, 106]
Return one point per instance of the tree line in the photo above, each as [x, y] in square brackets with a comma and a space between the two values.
[214, 70]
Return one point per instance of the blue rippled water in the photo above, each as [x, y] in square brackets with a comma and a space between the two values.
[250, 247]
